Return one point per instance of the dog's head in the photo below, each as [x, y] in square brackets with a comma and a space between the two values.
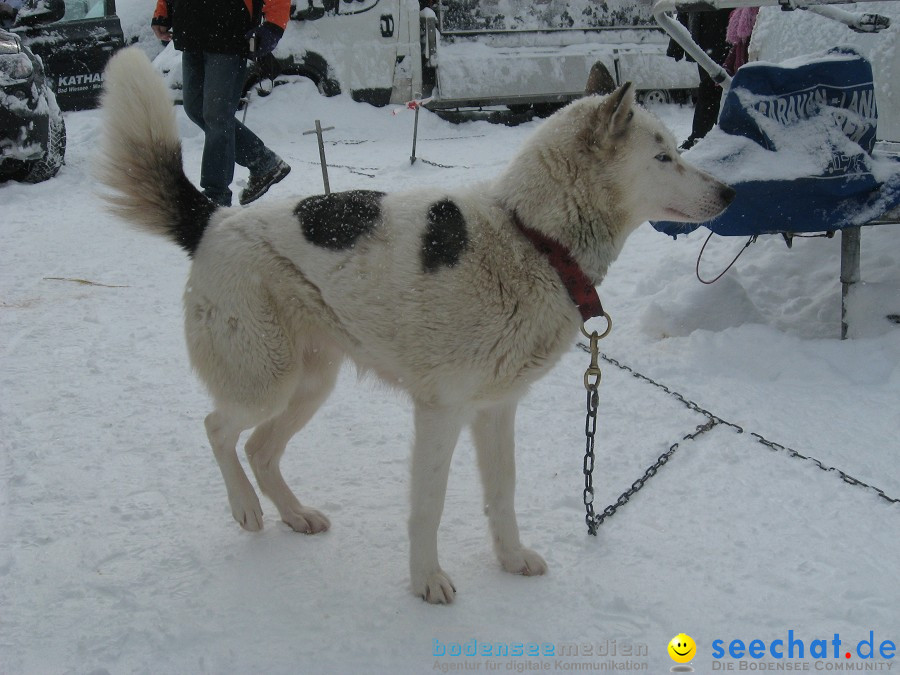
[600, 167]
[630, 149]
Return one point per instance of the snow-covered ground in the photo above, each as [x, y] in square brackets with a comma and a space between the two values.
[118, 553]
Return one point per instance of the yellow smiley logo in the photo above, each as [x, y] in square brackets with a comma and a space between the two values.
[682, 648]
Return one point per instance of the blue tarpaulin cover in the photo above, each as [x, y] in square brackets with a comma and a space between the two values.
[795, 140]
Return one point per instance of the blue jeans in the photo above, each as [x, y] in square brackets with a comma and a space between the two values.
[212, 91]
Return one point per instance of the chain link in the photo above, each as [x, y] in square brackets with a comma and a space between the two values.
[594, 520]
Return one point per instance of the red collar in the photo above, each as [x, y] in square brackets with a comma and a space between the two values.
[577, 283]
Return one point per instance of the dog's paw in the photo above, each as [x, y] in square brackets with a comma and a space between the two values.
[248, 515]
[437, 588]
[306, 520]
[524, 561]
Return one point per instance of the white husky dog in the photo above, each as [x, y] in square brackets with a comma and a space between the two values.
[449, 294]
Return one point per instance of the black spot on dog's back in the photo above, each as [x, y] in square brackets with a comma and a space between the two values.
[337, 220]
[445, 237]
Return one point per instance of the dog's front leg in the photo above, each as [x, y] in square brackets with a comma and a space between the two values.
[437, 431]
[494, 434]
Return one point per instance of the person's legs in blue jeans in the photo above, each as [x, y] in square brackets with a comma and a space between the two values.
[212, 85]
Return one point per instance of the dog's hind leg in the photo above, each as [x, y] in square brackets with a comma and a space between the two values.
[437, 430]
[493, 432]
[223, 429]
[267, 443]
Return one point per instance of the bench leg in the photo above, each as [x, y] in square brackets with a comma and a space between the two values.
[849, 269]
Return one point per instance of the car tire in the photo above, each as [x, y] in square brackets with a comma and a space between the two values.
[48, 166]
[654, 97]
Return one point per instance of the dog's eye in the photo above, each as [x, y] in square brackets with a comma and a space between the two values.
[663, 157]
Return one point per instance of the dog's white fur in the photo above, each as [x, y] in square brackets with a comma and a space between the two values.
[270, 316]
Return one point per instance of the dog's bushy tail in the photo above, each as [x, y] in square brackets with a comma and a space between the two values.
[140, 155]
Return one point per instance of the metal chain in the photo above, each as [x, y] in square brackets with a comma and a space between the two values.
[590, 429]
[772, 445]
[444, 166]
[358, 170]
[592, 383]
[687, 403]
[850, 480]
[594, 520]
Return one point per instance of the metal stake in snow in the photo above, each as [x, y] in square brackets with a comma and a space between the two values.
[849, 270]
[415, 105]
[246, 101]
[412, 157]
[318, 132]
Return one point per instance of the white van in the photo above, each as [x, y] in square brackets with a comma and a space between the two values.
[467, 54]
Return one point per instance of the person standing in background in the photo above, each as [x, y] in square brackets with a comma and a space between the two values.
[216, 37]
[740, 30]
[708, 31]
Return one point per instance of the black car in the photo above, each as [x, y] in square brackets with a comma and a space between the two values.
[32, 131]
[52, 57]
[75, 39]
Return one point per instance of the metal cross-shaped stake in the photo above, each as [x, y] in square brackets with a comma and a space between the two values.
[318, 132]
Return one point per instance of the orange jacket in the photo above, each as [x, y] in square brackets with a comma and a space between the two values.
[274, 11]
[217, 26]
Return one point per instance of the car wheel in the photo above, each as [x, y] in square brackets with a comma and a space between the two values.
[47, 167]
[653, 97]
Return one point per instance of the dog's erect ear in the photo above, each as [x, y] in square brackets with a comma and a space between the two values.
[621, 102]
[614, 114]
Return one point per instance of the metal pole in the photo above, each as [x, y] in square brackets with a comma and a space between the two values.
[849, 270]
[663, 10]
[412, 157]
[318, 132]
[246, 102]
[322, 157]
[682, 36]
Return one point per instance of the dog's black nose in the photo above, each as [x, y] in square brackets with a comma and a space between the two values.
[727, 194]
